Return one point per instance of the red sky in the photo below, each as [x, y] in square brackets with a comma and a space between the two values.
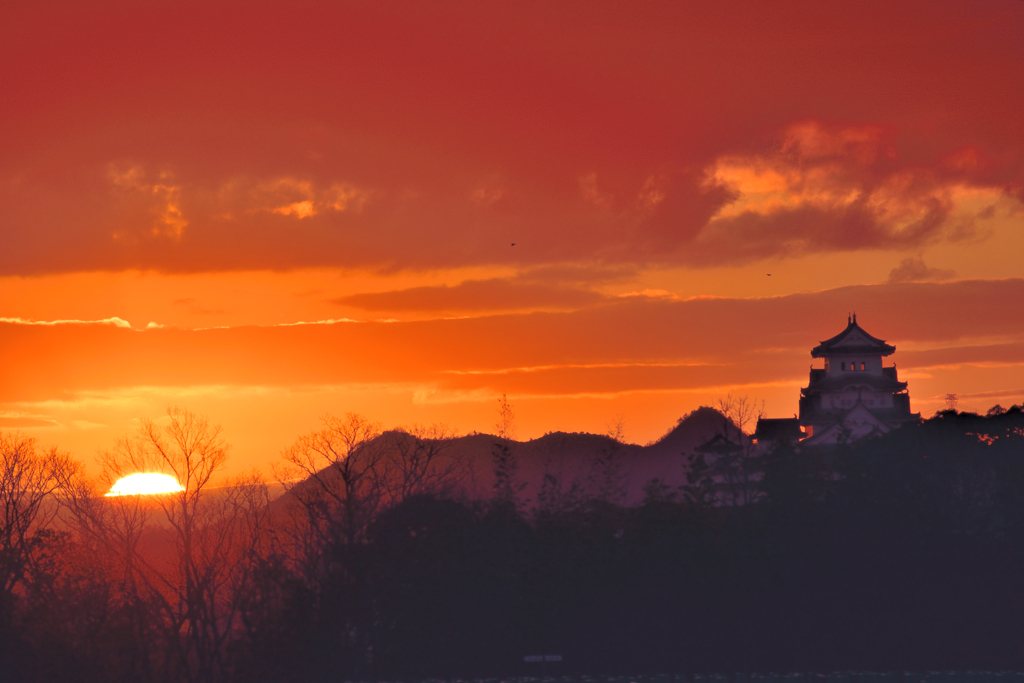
[189, 180]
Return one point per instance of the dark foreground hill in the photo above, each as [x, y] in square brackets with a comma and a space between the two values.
[559, 463]
[899, 553]
[592, 462]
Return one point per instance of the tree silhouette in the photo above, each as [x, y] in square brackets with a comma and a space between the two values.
[29, 477]
[505, 460]
[198, 578]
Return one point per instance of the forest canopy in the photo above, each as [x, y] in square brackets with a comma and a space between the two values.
[900, 552]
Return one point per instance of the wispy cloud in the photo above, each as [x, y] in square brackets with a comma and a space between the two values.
[116, 322]
[497, 294]
[436, 395]
[652, 294]
[913, 269]
[20, 420]
[329, 321]
[573, 366]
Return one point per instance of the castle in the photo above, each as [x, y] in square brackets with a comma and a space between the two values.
[854, 396]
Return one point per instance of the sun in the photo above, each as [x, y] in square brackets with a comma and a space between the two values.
[145, 483]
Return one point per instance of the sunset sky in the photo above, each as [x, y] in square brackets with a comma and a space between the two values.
[267, 211]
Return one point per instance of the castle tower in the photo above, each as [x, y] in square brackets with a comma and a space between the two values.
[854, 395]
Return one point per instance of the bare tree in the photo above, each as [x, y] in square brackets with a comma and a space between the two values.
[607, 479]
[336, 476]
[732, 455]
[341, 476]
[29, 476]
[504, 459]
[420, 462]
[203, 542]
[505, 424]
[111, 529]
[338, 482]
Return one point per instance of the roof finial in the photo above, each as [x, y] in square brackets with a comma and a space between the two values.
[855, 317]
[849, 320]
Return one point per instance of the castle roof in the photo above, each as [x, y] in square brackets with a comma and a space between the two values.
[778, 429]
[856, 423]
[852, 340]
[822, 383]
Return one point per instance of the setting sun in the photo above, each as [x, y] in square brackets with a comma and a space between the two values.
[145, 483]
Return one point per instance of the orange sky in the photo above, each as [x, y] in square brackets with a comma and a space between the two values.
[180, 185]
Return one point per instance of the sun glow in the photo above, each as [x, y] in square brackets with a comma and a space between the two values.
[145, 483]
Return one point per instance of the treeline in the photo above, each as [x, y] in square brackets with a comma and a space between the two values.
[904, 552]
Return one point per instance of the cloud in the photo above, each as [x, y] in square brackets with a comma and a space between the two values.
[150, 200]
[620, 345]
[835, 188]
[652, 294]
[475, 295]
[822, 189]
[1013, 396]
[116, 322]
[26, 421]
[329, 321]
[606, 138]
[913, 269]
[556, 286]
[978, 355]
[571, 366]
[577, 274]
[295, 197]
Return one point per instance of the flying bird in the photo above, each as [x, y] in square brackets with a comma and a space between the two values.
[513, 244]
[769, 274]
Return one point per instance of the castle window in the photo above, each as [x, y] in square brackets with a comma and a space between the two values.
[861, 366]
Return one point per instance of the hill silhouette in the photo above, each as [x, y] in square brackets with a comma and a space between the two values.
[560, 463]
